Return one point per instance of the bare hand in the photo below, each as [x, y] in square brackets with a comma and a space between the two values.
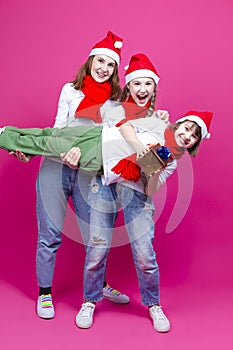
[142, 150]
[153, 184]
[71, 158]
[162, 114]
[22, 157]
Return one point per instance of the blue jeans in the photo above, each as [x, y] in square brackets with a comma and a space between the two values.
[138, 214]
[55, 184]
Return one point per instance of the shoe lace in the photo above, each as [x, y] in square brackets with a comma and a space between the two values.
[46, 301]
[158, 313]
[112, 290]
[87, 310]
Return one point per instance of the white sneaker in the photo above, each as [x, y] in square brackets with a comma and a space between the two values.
[161, 323]
[114, 295]
[45, 308]
[84, 318]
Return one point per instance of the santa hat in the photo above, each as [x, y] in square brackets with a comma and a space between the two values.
[203, 119]
[139, 67]
[109, 46]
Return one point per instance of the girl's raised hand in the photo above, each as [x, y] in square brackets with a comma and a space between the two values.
[162, 114]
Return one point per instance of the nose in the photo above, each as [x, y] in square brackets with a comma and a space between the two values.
[188, 136]
[142, 87]
[104, 67]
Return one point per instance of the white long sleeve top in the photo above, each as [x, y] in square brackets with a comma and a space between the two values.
[149, 130]
[69, 101]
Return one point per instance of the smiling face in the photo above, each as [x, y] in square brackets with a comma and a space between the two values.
[187, 134]
[102, 68]
[141, 90]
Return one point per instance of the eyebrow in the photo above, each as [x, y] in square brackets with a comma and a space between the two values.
[194, 127]
[113, 62]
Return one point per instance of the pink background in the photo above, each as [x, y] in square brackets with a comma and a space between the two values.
[42, 46]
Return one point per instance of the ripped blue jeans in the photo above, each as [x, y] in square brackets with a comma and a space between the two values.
[138, 214]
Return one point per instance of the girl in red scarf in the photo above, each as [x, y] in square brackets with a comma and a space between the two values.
[83, 101]
[138, 101]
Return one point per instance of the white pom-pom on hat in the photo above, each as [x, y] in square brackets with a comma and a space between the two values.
[118, 44]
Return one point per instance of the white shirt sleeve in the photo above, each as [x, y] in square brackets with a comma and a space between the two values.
[61, 119]
[68, 103]
[167, 171]
[150, 125]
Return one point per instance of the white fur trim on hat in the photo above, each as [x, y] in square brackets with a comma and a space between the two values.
[141, 73]
[104, 51]
[194, 118]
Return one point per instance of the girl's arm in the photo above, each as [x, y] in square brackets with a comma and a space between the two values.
[130, 136]
[128, 132]
[158, 179]
[70, 158]
[153, 184]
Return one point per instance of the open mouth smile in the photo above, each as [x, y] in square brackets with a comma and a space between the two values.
[142, 98]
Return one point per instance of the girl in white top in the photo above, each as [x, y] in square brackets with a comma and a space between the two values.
[96, 88]
[141, 81]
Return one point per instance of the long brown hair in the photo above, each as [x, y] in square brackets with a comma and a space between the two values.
[85, 69]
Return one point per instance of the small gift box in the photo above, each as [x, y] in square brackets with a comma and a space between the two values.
[155, 159]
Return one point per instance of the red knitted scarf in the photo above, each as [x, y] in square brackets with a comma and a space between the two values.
[95, 95]
[170, 142]
[133, 111]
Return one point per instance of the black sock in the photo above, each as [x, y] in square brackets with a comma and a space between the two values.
[105, 283]
[45, 291]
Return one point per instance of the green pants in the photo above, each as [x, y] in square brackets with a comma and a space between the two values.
[51, 142]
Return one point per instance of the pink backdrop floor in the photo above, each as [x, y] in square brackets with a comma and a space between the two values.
[199, 321]
[196, 294]
[200, 313]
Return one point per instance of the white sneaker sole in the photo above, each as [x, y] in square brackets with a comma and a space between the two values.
[116, 300]
[45, 316]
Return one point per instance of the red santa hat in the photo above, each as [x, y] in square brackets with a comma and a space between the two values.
[203, 119]
[110, 46]
[140, 67]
